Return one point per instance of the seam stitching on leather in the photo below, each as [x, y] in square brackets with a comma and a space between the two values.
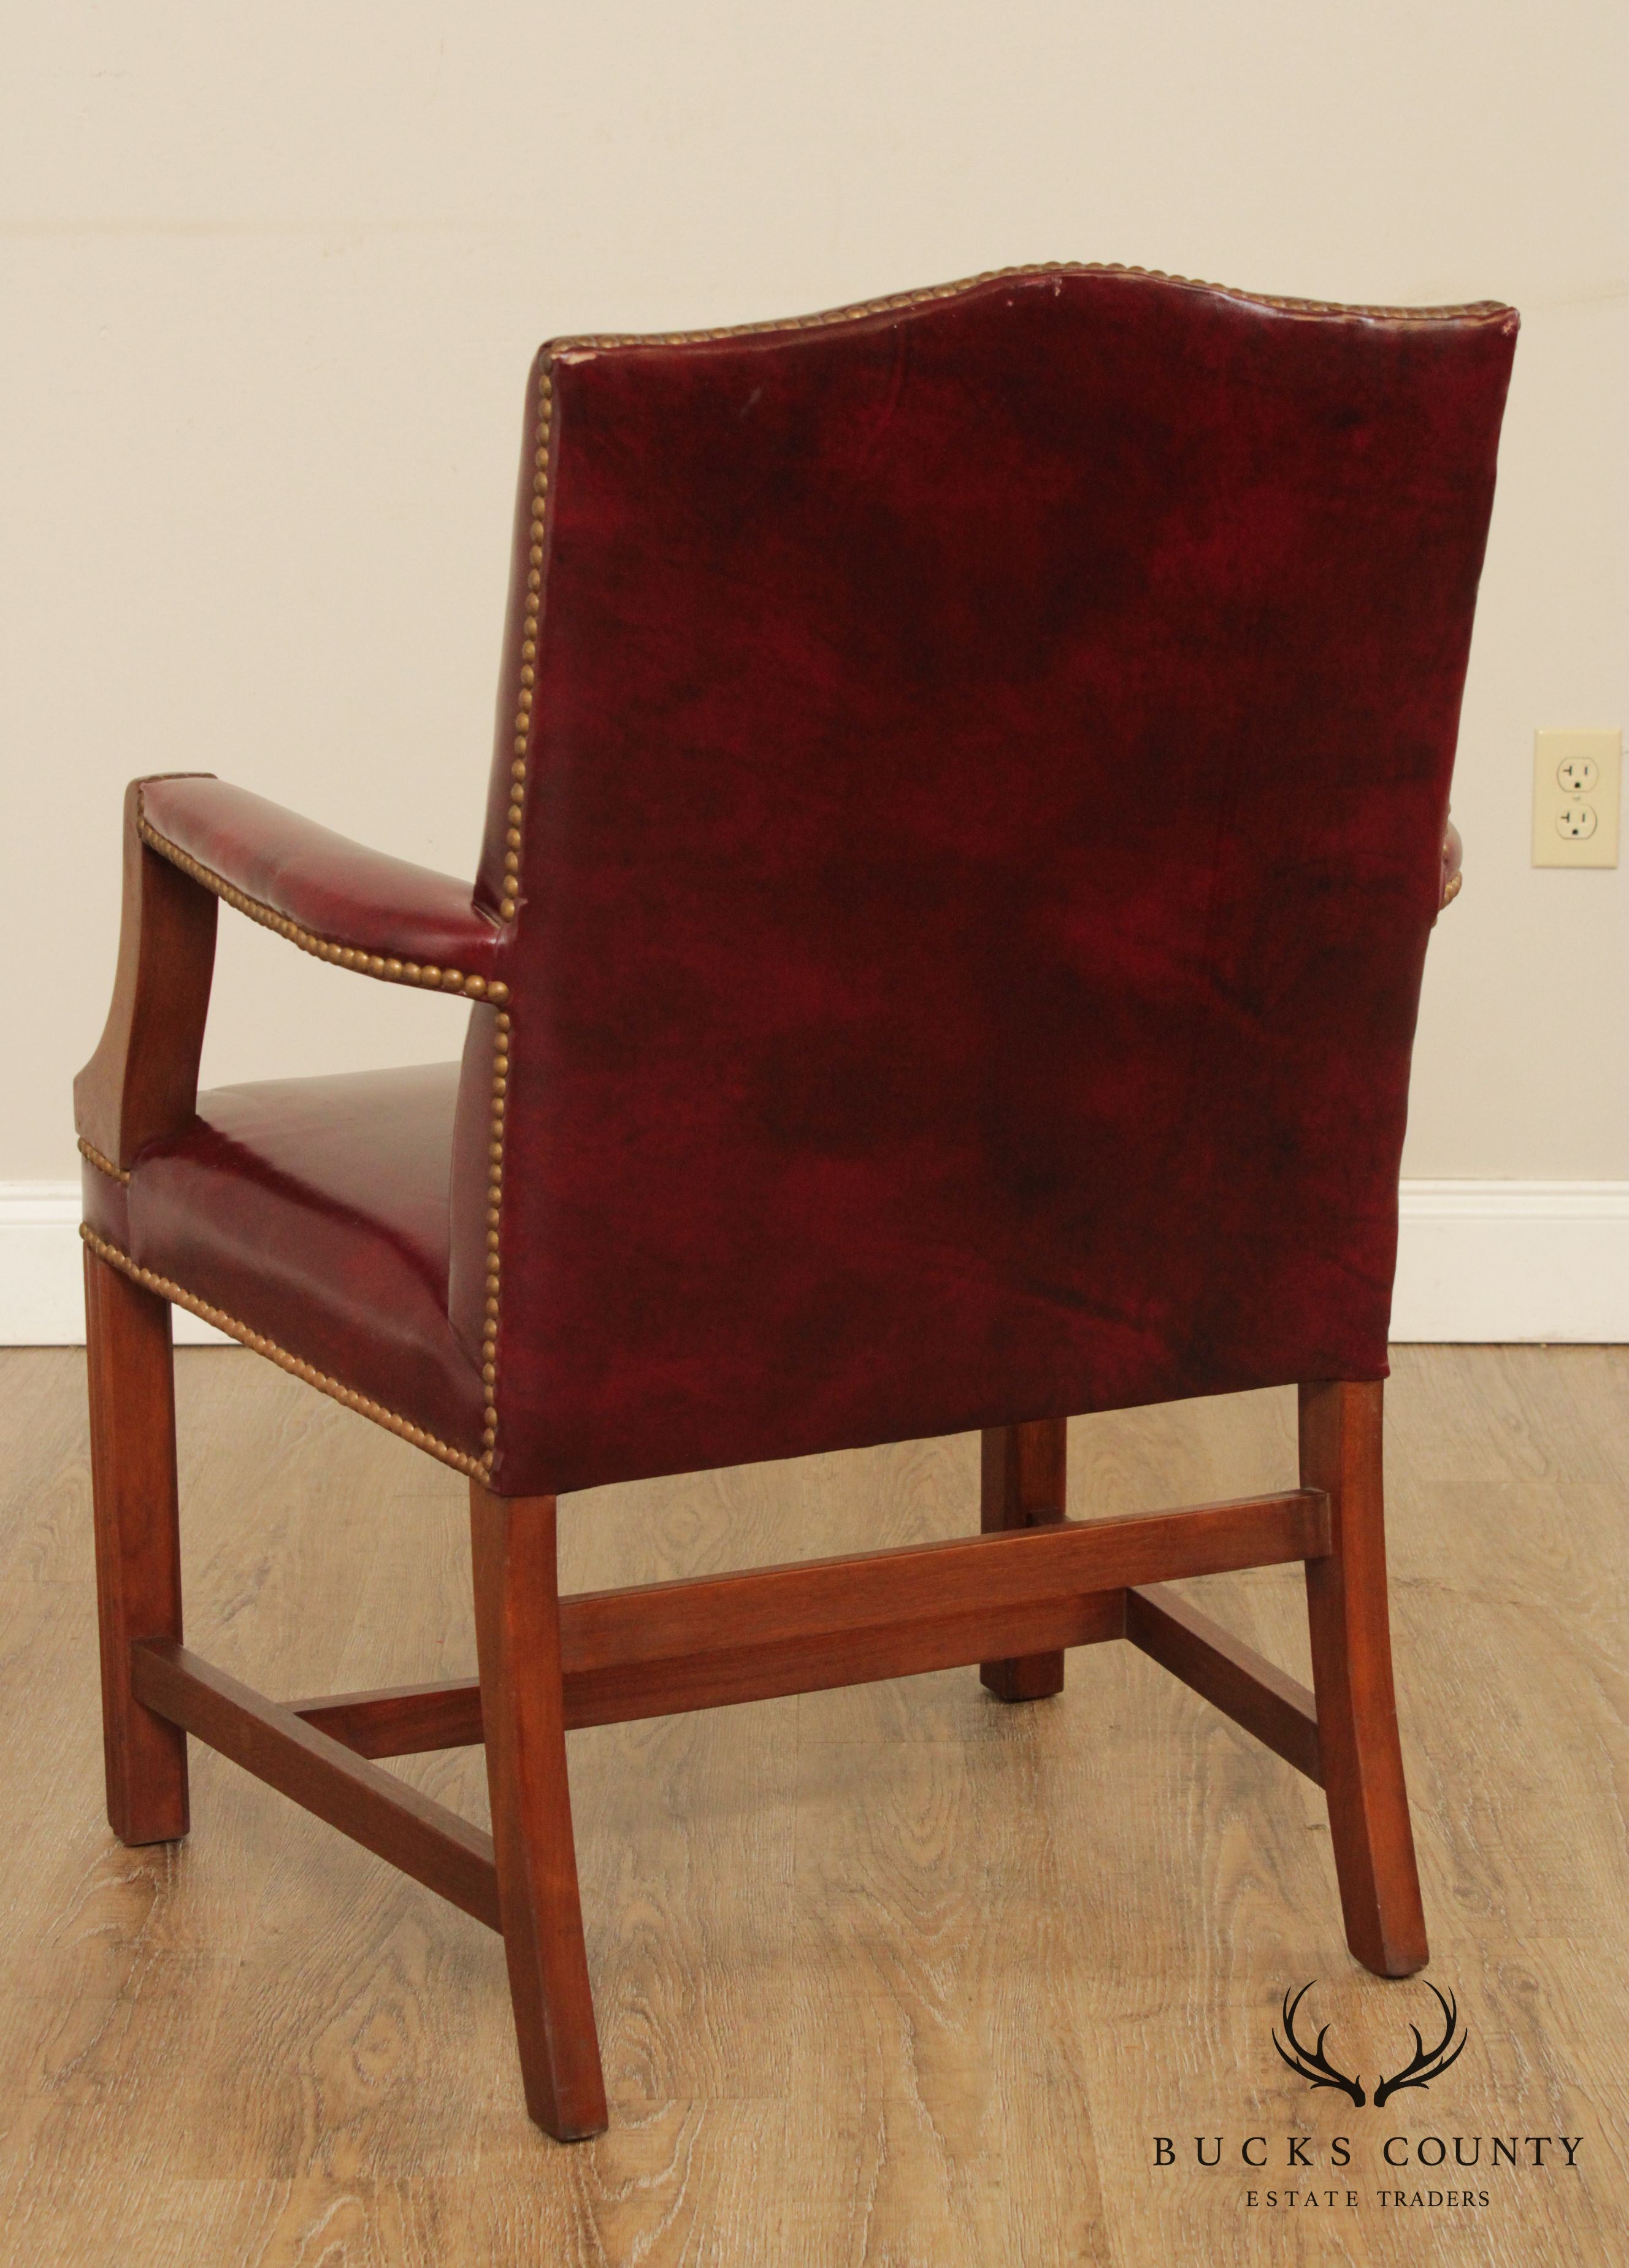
[386, 967]
[88, 1150]
[260, 1344]
[859, 310]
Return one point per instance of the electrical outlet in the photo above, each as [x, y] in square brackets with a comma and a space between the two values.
[1576, 779]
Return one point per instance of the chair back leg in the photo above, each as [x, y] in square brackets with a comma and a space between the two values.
[138, 1566]
[522, 1712]
[1023, 1480]
[1359, 1751]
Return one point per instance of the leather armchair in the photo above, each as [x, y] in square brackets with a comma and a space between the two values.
[968, 810]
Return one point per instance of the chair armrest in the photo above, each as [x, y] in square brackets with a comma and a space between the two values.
[141, 1083]
[191, 839]
[384, 916]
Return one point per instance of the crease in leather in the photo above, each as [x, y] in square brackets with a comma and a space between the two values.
[297, 1196]
[316, 1211]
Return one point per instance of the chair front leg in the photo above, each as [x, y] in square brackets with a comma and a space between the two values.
[1360, 1752]
[522, 1711]
[138, 1565]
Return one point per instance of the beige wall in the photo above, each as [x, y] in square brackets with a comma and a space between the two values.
[270, 281]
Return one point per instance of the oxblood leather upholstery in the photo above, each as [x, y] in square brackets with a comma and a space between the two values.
[328, 886]
[986, 791]
[315, 1211]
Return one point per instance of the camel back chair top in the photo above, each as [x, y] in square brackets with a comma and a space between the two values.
[971, 785]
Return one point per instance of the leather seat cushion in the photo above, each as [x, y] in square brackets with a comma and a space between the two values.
[316, 1211]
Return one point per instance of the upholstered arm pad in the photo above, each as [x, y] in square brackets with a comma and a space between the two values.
[332, 897]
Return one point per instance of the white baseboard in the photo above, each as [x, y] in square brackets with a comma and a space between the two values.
[1477, 1261]
[42, 1277]
[1500, 1261]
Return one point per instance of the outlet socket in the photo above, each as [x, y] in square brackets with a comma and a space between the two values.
[1576, 781]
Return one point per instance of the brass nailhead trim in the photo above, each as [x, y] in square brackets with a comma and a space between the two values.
[476, 1466]
[542, 456]
[386, 967]
[503, 1038]
[859, 309]
[102, 1165]
[509, 902]
[1456, 881]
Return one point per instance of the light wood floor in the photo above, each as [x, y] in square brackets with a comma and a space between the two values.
[897, 1975]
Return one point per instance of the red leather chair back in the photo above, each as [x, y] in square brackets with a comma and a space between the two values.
[983, 763]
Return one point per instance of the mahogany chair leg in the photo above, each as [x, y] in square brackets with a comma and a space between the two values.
[1361, 1754]
[522, 1710]
[1022, 1485]
[138, 1566]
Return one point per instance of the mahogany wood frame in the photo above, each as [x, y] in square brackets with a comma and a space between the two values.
[1012, 1599]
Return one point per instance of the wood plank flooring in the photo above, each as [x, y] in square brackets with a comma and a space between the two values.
[895, 1976]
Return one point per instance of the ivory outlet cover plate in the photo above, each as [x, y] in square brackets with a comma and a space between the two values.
[1576, 780]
